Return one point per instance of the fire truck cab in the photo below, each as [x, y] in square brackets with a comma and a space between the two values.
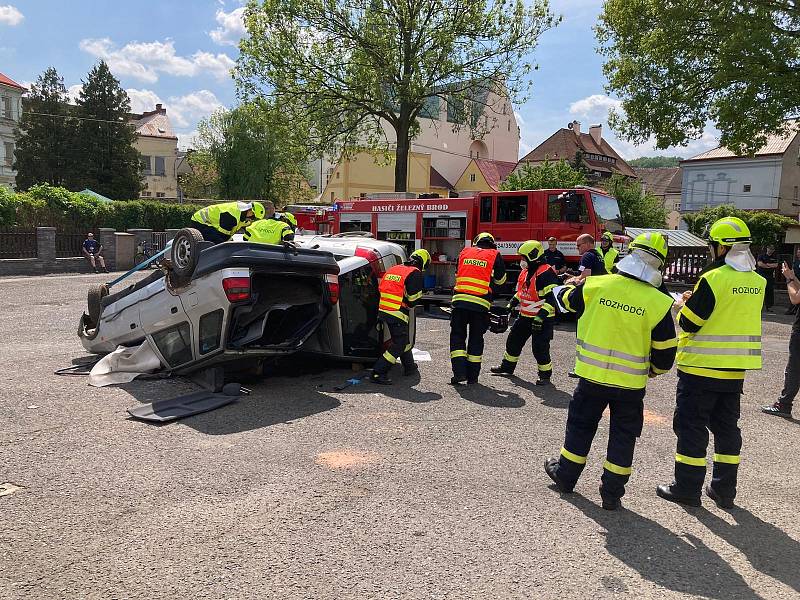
[444, 226]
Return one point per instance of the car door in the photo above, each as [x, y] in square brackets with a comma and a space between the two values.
[167, 326]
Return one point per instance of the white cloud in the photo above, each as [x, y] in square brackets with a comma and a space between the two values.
[73, 92]
[143, 100]
[185, 111]
[186, 140]
[520, 120]
[595, 106]
[231, 27]
[10, 15]
[708, 140]
[146, 60]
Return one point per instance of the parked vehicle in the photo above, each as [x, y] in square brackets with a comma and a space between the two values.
[444, 226]
[246, 301]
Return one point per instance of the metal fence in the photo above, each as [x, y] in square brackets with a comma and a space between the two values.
[159, 240]
[69, 245]
[684, 264]
[18, 244]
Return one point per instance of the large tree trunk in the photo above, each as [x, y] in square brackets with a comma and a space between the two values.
[401, 155]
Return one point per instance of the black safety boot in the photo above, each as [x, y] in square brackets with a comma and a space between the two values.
[721, 501]
[667, 493]
[380, 378]
[472, 381]
[501, 370]
[551, 468]
[543, 380]
[610, 503]
[458, 380]
[411, 370]
[779, 410]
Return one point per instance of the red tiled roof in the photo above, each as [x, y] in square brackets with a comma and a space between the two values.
[494, 171]
[4, 80]
[438, 180]
[153, 124]
[563, 144]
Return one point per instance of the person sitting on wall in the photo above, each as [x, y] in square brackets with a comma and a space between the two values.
[92, 250]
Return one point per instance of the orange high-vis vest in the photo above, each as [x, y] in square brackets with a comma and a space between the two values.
[474, 274]
[393, 288]
[528, 295]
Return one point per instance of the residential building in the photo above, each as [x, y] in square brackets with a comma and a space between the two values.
[446, 138]
[365, 174]
[665, 184]
[769, 180]
[483, 175]
[10, 110]
[602, 160]
[157, 143]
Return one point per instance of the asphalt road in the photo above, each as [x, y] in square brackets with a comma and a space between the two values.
[413, 491]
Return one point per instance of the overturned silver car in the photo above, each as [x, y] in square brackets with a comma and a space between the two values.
[239, 302]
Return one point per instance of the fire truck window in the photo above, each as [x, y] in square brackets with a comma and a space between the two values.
[355, 226]
[556, 209]
[486, 210]
[512, 209]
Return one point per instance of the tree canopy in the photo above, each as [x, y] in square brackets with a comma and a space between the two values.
[638, 208]
[354, 70]
[655, 162]
[255, 151]
[545, 175]
[46, 134]
[106, 159]
[765, 227]
[677, 65]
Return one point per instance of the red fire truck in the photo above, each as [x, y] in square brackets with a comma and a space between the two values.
[443, 226]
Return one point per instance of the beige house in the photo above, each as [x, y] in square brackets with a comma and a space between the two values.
[10, 109]
[449, 143]
[158, 145]
[483, 175]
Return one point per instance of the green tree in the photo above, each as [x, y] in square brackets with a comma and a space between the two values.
[655, 162]
[201, 181]
[107, 161]
[46, 134]
[678, 64]
[546, 175]
[256, 151]
[638, 208]
[353, 67]
[765, 227]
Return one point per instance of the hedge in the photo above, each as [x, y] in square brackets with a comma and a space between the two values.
[47, 206]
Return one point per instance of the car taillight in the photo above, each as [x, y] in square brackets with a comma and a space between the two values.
[332, 281]
[373, 258]
[236, 288]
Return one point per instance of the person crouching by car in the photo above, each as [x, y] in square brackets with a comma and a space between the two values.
[276, 230]
[400, 289]
[92, 250]
[218, 222]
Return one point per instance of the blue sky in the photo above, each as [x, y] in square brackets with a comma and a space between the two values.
[178, 53]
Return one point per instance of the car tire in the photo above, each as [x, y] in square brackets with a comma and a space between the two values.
[184, 255]
[94, 301]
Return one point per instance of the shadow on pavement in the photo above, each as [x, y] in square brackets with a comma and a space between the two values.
[401, 388]
[550, 395]
[769, 549]
[681, 563]
[486, 396]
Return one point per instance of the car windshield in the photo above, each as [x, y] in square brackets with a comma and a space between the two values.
[608, 214]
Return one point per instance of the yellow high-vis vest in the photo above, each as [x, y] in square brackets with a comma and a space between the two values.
[731, 337]
[210, 216]
[614, 331]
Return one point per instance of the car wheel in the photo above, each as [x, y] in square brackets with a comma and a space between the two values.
[94, 301]
[184, 255]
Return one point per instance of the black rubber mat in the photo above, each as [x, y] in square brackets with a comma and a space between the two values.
[182, 406]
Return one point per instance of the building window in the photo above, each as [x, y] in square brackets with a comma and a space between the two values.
[147, 169]
[161, 167]
[678, 206]
[331, 197]
[5, 104]
[337, 174]
[746, 188]
[509, 124]
[430, 109]
[472, 177]
[146, 194]
[160, 195]
[9, 157]
[796, 198]
[455, 110]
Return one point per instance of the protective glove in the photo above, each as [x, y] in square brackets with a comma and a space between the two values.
[537, 324]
